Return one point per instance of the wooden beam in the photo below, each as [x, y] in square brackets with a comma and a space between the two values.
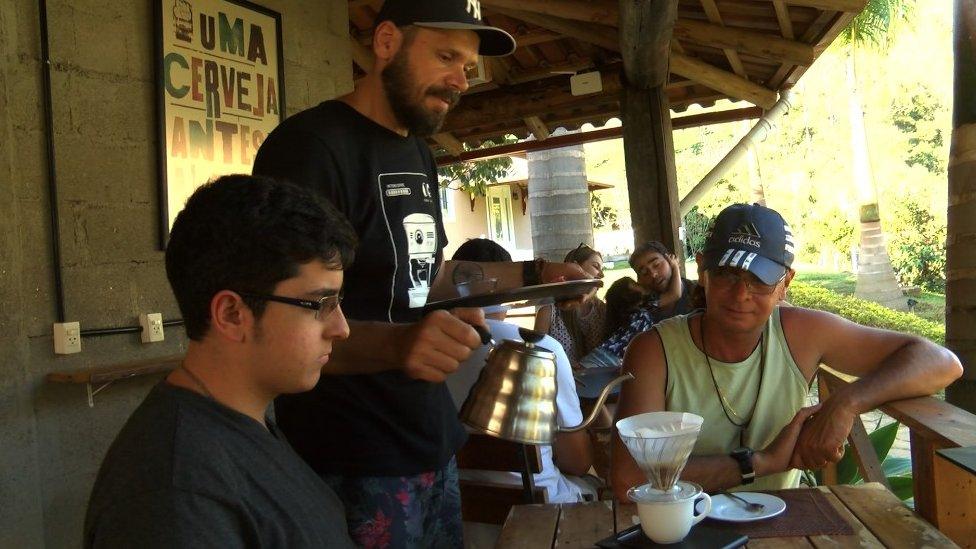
[537, 127]
[711, 11]
[361, 55]
[449, 142]
[783, 17]
[645, 38]
[851, 6]
[521, 101]
[603, 12]
[499, 69]
[535, 36]
[547, 71]
[649, 160]
[723, 81]
[677, 123]
[755, 43]
[601, 35]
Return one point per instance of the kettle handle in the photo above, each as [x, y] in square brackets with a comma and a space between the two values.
[599, 403]
[484, 334]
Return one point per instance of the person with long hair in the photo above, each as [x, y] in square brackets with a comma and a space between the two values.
[579, 330]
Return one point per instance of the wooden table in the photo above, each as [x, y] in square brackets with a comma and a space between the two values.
[879, 519]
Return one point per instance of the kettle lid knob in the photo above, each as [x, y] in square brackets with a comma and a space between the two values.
[531, 336]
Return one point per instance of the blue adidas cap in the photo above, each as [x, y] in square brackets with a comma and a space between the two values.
[750, 237]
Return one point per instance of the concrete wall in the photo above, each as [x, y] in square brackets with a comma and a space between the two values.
[104, 132]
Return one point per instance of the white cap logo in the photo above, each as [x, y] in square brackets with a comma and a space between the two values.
[474, 9]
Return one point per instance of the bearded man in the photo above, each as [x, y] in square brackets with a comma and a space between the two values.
[383, 431]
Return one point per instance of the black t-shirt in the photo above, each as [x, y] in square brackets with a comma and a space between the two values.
[186, 471]
[383, 424]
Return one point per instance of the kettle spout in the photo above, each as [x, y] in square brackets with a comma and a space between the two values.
[599, 403]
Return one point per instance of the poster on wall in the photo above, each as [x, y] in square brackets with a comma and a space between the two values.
[219, 90]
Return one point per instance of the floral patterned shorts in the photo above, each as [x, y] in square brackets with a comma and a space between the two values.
[417, 511]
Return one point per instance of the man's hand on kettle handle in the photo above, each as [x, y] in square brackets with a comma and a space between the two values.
[561, 272]
[438, 343]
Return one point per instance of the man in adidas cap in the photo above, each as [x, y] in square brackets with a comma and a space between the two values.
[753, 238]
[746, 362]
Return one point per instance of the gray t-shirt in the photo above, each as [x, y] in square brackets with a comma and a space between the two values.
[186, 471]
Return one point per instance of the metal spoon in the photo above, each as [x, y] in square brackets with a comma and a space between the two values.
[750, 506]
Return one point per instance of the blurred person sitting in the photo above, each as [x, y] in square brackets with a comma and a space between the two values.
[581, 329]
[669, 294]
[570, 456]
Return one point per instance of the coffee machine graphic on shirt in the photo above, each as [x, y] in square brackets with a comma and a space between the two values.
[421, 249]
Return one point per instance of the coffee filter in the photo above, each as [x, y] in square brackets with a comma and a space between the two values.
[660, 443]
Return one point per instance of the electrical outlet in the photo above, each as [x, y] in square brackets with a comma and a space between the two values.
[67, 338]
[152, 327]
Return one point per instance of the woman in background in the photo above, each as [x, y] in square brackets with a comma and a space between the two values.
[581, 329]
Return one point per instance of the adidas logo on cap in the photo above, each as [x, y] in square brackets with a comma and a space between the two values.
[747, 234]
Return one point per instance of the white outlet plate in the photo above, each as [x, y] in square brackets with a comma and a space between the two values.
[67, 338]
[152, 327]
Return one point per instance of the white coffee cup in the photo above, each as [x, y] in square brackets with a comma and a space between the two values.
[667, 516]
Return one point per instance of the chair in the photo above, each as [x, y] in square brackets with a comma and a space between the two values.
[490, 502]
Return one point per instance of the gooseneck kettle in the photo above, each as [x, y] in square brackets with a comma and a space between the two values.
[515, 395]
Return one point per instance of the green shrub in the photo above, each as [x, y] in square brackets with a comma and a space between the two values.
[918, 247]
[864, 312]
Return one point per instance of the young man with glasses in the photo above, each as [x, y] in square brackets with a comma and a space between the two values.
[746, 364]
[257, 269]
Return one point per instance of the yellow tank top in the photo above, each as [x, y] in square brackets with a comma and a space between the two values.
[690, 389]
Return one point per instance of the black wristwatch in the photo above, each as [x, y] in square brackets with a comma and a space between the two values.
[743, 456]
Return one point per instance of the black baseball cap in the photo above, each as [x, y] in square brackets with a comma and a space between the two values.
[448, 14]
[750, 237]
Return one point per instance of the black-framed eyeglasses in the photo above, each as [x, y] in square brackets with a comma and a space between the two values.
[725, 277]
[323, 306]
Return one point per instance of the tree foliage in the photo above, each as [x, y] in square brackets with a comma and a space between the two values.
[603, 216]
[916, 116]
[474, 177]
[873, 26]
[918, 247]
[696, 230]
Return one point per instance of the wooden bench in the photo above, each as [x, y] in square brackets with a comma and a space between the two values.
[933, 425]
[490, 502]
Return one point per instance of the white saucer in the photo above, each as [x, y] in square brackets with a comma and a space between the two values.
[728, 509]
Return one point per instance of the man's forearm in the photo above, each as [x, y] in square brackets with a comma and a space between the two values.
[507, 273]
[916, 369]
[371, 347]
[713, 473]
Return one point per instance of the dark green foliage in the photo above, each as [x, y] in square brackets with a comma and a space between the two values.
[918, 247]
[474, 177]
[864, 312]
[603, 216]
[696, 229]
[917, 117]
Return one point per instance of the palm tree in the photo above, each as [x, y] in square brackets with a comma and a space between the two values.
[960, 261]
[559, 201]
[876, 282]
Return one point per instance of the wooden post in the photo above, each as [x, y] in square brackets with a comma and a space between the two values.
[645, 36]
[960, 245]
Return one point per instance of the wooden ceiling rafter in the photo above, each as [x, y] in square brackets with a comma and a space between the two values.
[538, 128]
[711, 11]
[682, 122]
[720, 49]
